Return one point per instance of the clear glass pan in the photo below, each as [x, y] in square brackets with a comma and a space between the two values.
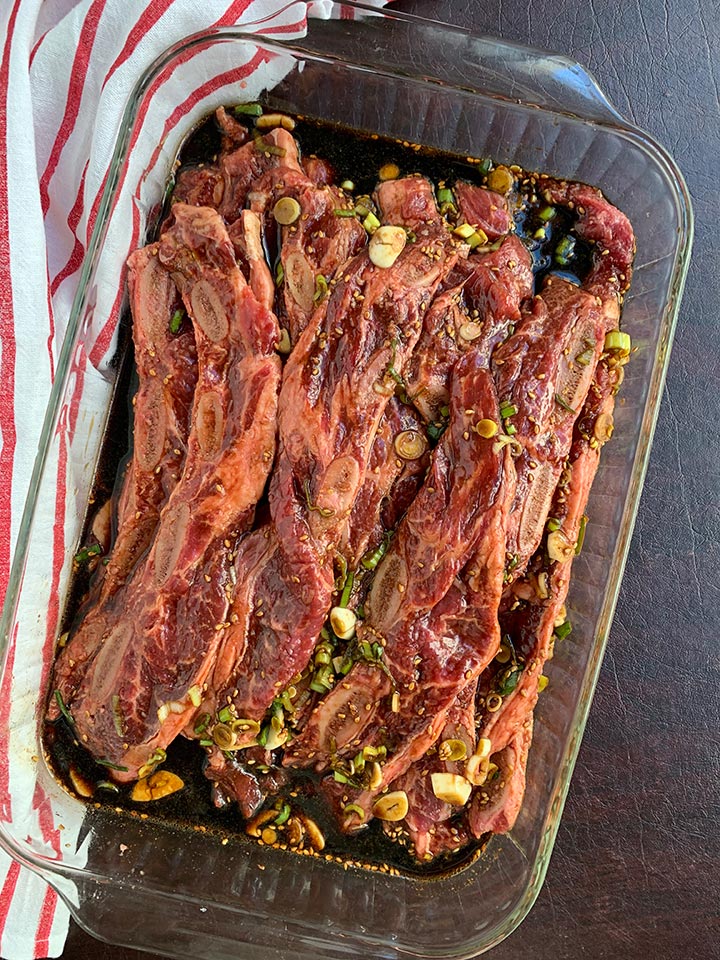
[185, 893]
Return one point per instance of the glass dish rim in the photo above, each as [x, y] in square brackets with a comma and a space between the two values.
[615, 123]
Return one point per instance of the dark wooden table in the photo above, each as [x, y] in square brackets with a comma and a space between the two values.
[636, 865]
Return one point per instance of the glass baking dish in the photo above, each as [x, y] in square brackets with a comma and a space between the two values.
[184, 893]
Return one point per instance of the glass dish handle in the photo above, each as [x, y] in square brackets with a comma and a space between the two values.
[409, 44]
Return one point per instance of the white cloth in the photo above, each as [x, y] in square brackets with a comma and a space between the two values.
[66, 70]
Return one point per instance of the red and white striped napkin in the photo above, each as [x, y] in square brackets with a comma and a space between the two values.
[66, 70]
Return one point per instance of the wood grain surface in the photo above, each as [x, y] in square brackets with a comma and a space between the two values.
[635, 869]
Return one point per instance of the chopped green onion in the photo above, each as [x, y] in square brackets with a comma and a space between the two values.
[63, 709]
[341, 212]
[547, 213]
[207, 743]
[371, 222]
[262, 737]
[445, 196]
[509, 681]
[202, 722]
[287, 703]
[225, 715]
[464, 231]
[93, 551]
[444, 411]
[436, 430]
[507, 409]
[510, 429]
[268, 148]
[176, 321]
[279, 274]
[585, 357]
[323, 680]
[323, 511]
[540, 234]
[321, 288]
[564, 404]
[283, 816]
[485, 165]
[340, 580]
[117, 716]
[248, 110]
[347, 185]
[361, 210]
[107, 785]
[373, 558]
[339, 777]
[347, 589]
[581, 534]
[618, 340]
[513, 561]
[477, 238]
[354, 808]
[553, 524]
[563, 630]
[565, 250]
[112, 766]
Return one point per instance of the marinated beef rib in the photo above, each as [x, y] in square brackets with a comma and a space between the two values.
[167, 373]
[336, 386]
[535, 604]
[609, 230]
[163, 629]
[416, 609]
[426, 813]
[313, 247]
[543, 373]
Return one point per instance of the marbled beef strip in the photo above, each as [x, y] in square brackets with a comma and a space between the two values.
[144, 683]
[167, 373]
[336, 387]
[413, 608]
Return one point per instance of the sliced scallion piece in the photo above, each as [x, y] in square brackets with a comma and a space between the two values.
[248, 110]
[564, 404]
[107, 785]
[507, 409]
[283, 816]
[87, 552]
[117, 716]
[373, 557]
[371, 222]
[563, 630]
[176, 321]
[618, 340]
[565, 250]
[63, 708]
[321, 288]
[112, 766]
[546, 213]
[581, 534]
[347, 589]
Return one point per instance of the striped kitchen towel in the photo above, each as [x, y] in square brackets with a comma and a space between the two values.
[66, 70]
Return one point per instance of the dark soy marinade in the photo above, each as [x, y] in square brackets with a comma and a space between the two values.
[356, 156]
